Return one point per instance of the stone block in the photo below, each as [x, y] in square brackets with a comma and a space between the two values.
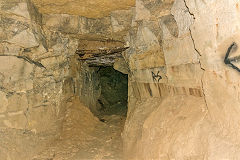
[25, 39]
[62, 22]
[121, 20]
[16, 73]
[17, 121]
[21, 9]
[17, 102]
[121, 65]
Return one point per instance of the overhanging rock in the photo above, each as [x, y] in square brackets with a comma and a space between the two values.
[100, 52]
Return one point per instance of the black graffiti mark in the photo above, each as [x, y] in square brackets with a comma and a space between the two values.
[156, 77]
[228, 61]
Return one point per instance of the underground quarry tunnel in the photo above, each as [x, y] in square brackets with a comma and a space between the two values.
[113, 80]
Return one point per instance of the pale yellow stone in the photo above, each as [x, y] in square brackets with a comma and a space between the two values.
[152, 58]
[16, 73]
[91, 9]
[25, 39]
[3, 102]
[18, 121]
[121, 65]
[21, 10]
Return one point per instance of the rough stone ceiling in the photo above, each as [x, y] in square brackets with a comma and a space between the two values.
[87, 8]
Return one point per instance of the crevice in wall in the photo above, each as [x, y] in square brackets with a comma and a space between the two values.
[189, 9]
[27, 59]
[199, 54]
[200, 65]
[27, 120]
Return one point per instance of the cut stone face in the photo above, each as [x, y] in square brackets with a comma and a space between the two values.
[91, 9]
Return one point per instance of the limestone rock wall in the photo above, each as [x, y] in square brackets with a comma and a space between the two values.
[90, 9]
[183, 99]
[83, 28]
[87, 87]
[92, 34]
[34, 70]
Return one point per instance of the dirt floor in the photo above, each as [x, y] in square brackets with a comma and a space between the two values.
[83, 137]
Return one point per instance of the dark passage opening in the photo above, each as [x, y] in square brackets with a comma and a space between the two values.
[114, 91]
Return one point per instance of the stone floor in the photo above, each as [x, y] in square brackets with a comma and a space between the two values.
[83, 137]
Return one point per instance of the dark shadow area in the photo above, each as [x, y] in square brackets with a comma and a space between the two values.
[114, 91]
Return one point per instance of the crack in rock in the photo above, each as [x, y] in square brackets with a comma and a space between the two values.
[194, 45]
[25, 58]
